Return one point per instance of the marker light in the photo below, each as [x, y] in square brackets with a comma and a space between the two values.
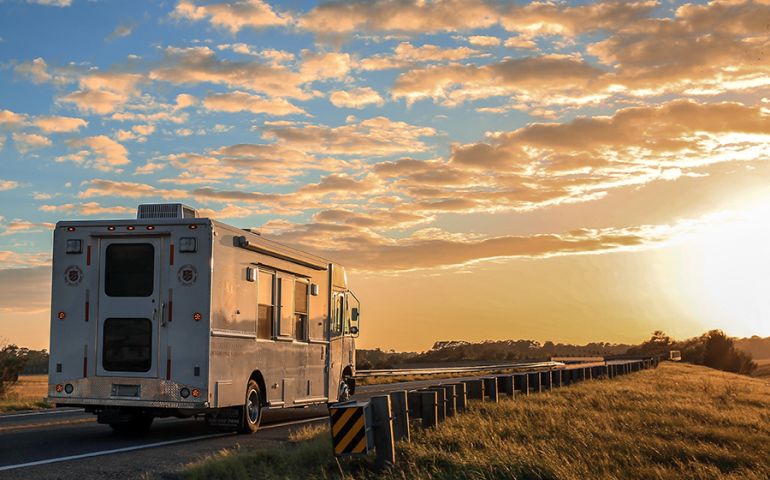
[61, 315]
[196, 393]
[74, 245]
[59, 388]
[197, 317]
[68, 388]
[130, 227]
[193, 227]
[70, 229]
[111, 228]
[184, 392]
[188, 244]
[150, 227]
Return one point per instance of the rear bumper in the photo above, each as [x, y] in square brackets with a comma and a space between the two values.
[142, 393]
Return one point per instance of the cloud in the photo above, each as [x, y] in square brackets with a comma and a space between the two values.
[244, 102]
[529, 76]
[8, 185]
[398, 16]
[364, 250]
[103, 93]
[36, 70]
[430, 17]
[378, 136]
[705, 49]
[57, 124]
[26, 142]
[484, 40]
[23, 226]
[24, 290]
[200, 65]
[9, 119]
[52, 3]
[232, 16]
[87, 208]
[100, 152]
[356, 98]
[405, 54]
[109, 188]
[121, 31]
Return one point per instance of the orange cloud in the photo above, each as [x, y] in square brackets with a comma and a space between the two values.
[232, 16]
[57, 124]
[99, 152]
[244, 102]
[356, 98]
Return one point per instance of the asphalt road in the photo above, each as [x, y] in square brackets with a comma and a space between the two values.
[69, 444]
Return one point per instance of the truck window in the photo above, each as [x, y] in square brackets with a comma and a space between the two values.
[127, 345]
[301, 305]
[338, 314]
[266, 304]
[129, 270]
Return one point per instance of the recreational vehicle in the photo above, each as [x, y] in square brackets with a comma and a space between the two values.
[169, 314]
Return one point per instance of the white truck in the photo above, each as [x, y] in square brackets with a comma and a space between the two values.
[169, 314]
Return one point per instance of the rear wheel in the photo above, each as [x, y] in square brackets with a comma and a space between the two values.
[138, 424]
[252, 409]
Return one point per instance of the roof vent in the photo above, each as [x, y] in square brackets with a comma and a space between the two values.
[165, 210]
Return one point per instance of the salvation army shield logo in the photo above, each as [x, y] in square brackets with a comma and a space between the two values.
[73, 275]
[187, 275]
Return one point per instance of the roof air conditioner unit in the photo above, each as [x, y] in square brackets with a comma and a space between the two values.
[165, 210]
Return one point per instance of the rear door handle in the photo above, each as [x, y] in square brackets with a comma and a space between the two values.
[163, 314]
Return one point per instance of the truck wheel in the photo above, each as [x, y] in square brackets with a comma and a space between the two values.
[344, 393]
[138, 425]
[252, 409]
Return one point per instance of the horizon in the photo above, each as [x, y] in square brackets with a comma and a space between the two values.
[556, 171]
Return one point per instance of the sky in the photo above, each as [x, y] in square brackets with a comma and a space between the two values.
[565, 171]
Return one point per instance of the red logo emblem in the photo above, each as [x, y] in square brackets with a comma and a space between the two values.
[187, 275]
[73, 275]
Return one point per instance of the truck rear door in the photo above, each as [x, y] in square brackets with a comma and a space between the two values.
[130, 306]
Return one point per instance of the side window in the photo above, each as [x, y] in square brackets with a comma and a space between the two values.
[346, 319]
[338, 313]
[266, 304]
[301, 307]
[286, 306]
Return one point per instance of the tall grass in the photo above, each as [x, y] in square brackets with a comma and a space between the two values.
[26, 394]
[677, 422]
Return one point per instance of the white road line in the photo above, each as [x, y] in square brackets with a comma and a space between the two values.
[42, 412]
[149, 445]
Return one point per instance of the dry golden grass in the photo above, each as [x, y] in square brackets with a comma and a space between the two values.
[27, 394]
[677, 422]
[764, 368]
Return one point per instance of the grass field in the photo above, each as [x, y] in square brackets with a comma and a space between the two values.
[677, 422]
[27, 394]
[764, 368]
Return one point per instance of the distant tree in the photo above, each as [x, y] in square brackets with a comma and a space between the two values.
[719, 352]
[12, 359]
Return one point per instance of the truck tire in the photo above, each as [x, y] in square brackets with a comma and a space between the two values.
[139, 424]
[252, 409]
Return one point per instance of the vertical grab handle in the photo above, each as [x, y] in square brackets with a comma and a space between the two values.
[163, 314]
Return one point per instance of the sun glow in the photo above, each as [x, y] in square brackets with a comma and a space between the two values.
[729, 262]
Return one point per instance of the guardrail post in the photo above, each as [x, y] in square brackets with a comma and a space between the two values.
[506, 385]
[429, 405]
[545, 380]
[534, 382]
[556, 378]
[460, 397]
[587, 373]
[383, 432]
[440, 402]
[451, 400]
[399, 405]
[490, 389]
[475, 389]
[521, 383]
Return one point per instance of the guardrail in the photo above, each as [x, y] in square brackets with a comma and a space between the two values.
[359, 427]
[440, 370]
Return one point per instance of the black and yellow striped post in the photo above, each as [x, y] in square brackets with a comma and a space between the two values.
[351, 425]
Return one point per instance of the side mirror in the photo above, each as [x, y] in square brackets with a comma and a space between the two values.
[354, 314]
[354, 330]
